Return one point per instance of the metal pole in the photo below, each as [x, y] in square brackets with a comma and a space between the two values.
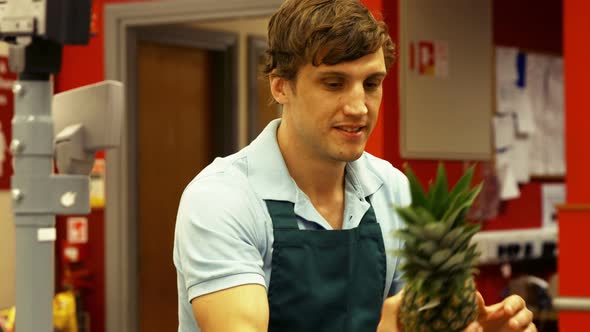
[37, 196]
[32, 149]
[562, 303]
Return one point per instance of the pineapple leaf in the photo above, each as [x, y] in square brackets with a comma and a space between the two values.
[425, 215]
[451, 237]
[428, 247]
[413, 259]
[431, 304]
[434, 231]
[418, 195]
[439, 257]
[454, 262]
[416, 231]
[404, 235]
[463, 204]
[463, 240]
[410, 215]
[438, 195]
[463, 184]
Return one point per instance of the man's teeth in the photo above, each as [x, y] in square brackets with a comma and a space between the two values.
[350, 130]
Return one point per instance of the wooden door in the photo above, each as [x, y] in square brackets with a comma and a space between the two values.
[174, 124]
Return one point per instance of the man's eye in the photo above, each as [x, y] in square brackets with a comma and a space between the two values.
[333, 85]
[370, 86]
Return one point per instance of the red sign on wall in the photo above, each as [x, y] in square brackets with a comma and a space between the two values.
[6, 112]
[426, 58]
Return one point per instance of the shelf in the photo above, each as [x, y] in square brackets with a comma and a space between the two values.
[516, 245]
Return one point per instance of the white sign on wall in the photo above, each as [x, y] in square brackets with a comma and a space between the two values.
[553, 194]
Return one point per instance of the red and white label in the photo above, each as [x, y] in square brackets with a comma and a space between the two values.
[429, 58]
[77, 230]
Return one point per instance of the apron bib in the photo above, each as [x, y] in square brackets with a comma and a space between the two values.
[327, 280]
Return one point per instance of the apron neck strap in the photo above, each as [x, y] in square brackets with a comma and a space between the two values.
[283, 215]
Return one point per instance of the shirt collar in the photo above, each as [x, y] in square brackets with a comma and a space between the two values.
[270, 177]
[363, 176]
[267, 170]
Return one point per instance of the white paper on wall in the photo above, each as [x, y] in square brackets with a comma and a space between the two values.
[554, 119]
[536, 74]
[503, 130]
[506, 63]
[525, 122]
[529, 132]
[508, 184]
[506, 77]
[553, 194]
[520, 159]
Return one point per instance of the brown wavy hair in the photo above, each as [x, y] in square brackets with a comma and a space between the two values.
[323, 32]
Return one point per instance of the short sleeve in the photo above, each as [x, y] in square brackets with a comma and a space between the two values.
[219, 236]
[404, 198]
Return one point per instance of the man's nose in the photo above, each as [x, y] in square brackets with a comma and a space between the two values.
[356, 102]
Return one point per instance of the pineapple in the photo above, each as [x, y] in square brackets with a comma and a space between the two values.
[438, 259]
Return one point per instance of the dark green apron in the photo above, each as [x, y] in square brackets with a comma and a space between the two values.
[326, 280]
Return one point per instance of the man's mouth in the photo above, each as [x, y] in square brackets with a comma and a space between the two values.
[350, 129]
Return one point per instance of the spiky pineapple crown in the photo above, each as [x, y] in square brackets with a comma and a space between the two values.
[437, 237]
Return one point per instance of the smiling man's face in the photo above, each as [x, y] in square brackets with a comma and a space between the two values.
[332, 109]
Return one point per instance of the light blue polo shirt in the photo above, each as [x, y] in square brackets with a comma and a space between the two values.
[224, 234]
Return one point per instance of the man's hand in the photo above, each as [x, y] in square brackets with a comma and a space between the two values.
[389, 313]
[510, 315]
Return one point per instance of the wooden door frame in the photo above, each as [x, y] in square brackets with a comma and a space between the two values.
[124, 24]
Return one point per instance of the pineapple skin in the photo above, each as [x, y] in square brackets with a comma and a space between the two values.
[457, 309]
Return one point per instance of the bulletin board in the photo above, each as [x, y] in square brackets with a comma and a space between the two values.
[446, 75]
[6, 113]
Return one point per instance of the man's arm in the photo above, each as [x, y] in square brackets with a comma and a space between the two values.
[240, 309]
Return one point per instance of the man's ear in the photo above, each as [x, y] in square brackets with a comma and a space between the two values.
[278, 88]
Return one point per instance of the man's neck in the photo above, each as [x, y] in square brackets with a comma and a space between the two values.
[321, 180]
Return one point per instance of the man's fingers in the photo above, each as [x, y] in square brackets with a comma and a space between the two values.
[510, 314]
[509, 307]
[481, 303]
[514, 304]
[493, 312]
[473, 327]
[389, 314]
[521, 320]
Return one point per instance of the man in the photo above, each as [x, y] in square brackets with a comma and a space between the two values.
[292, 233]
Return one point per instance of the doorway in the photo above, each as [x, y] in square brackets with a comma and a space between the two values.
[125, 26]
[174, 143]
[184, 117]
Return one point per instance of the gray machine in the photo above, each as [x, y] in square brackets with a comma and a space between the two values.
[83, 121]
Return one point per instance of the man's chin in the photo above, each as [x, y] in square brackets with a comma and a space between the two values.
[350, 157]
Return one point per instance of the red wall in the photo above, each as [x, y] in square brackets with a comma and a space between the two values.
[376, 143]
[577, 119]
[574, 216]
